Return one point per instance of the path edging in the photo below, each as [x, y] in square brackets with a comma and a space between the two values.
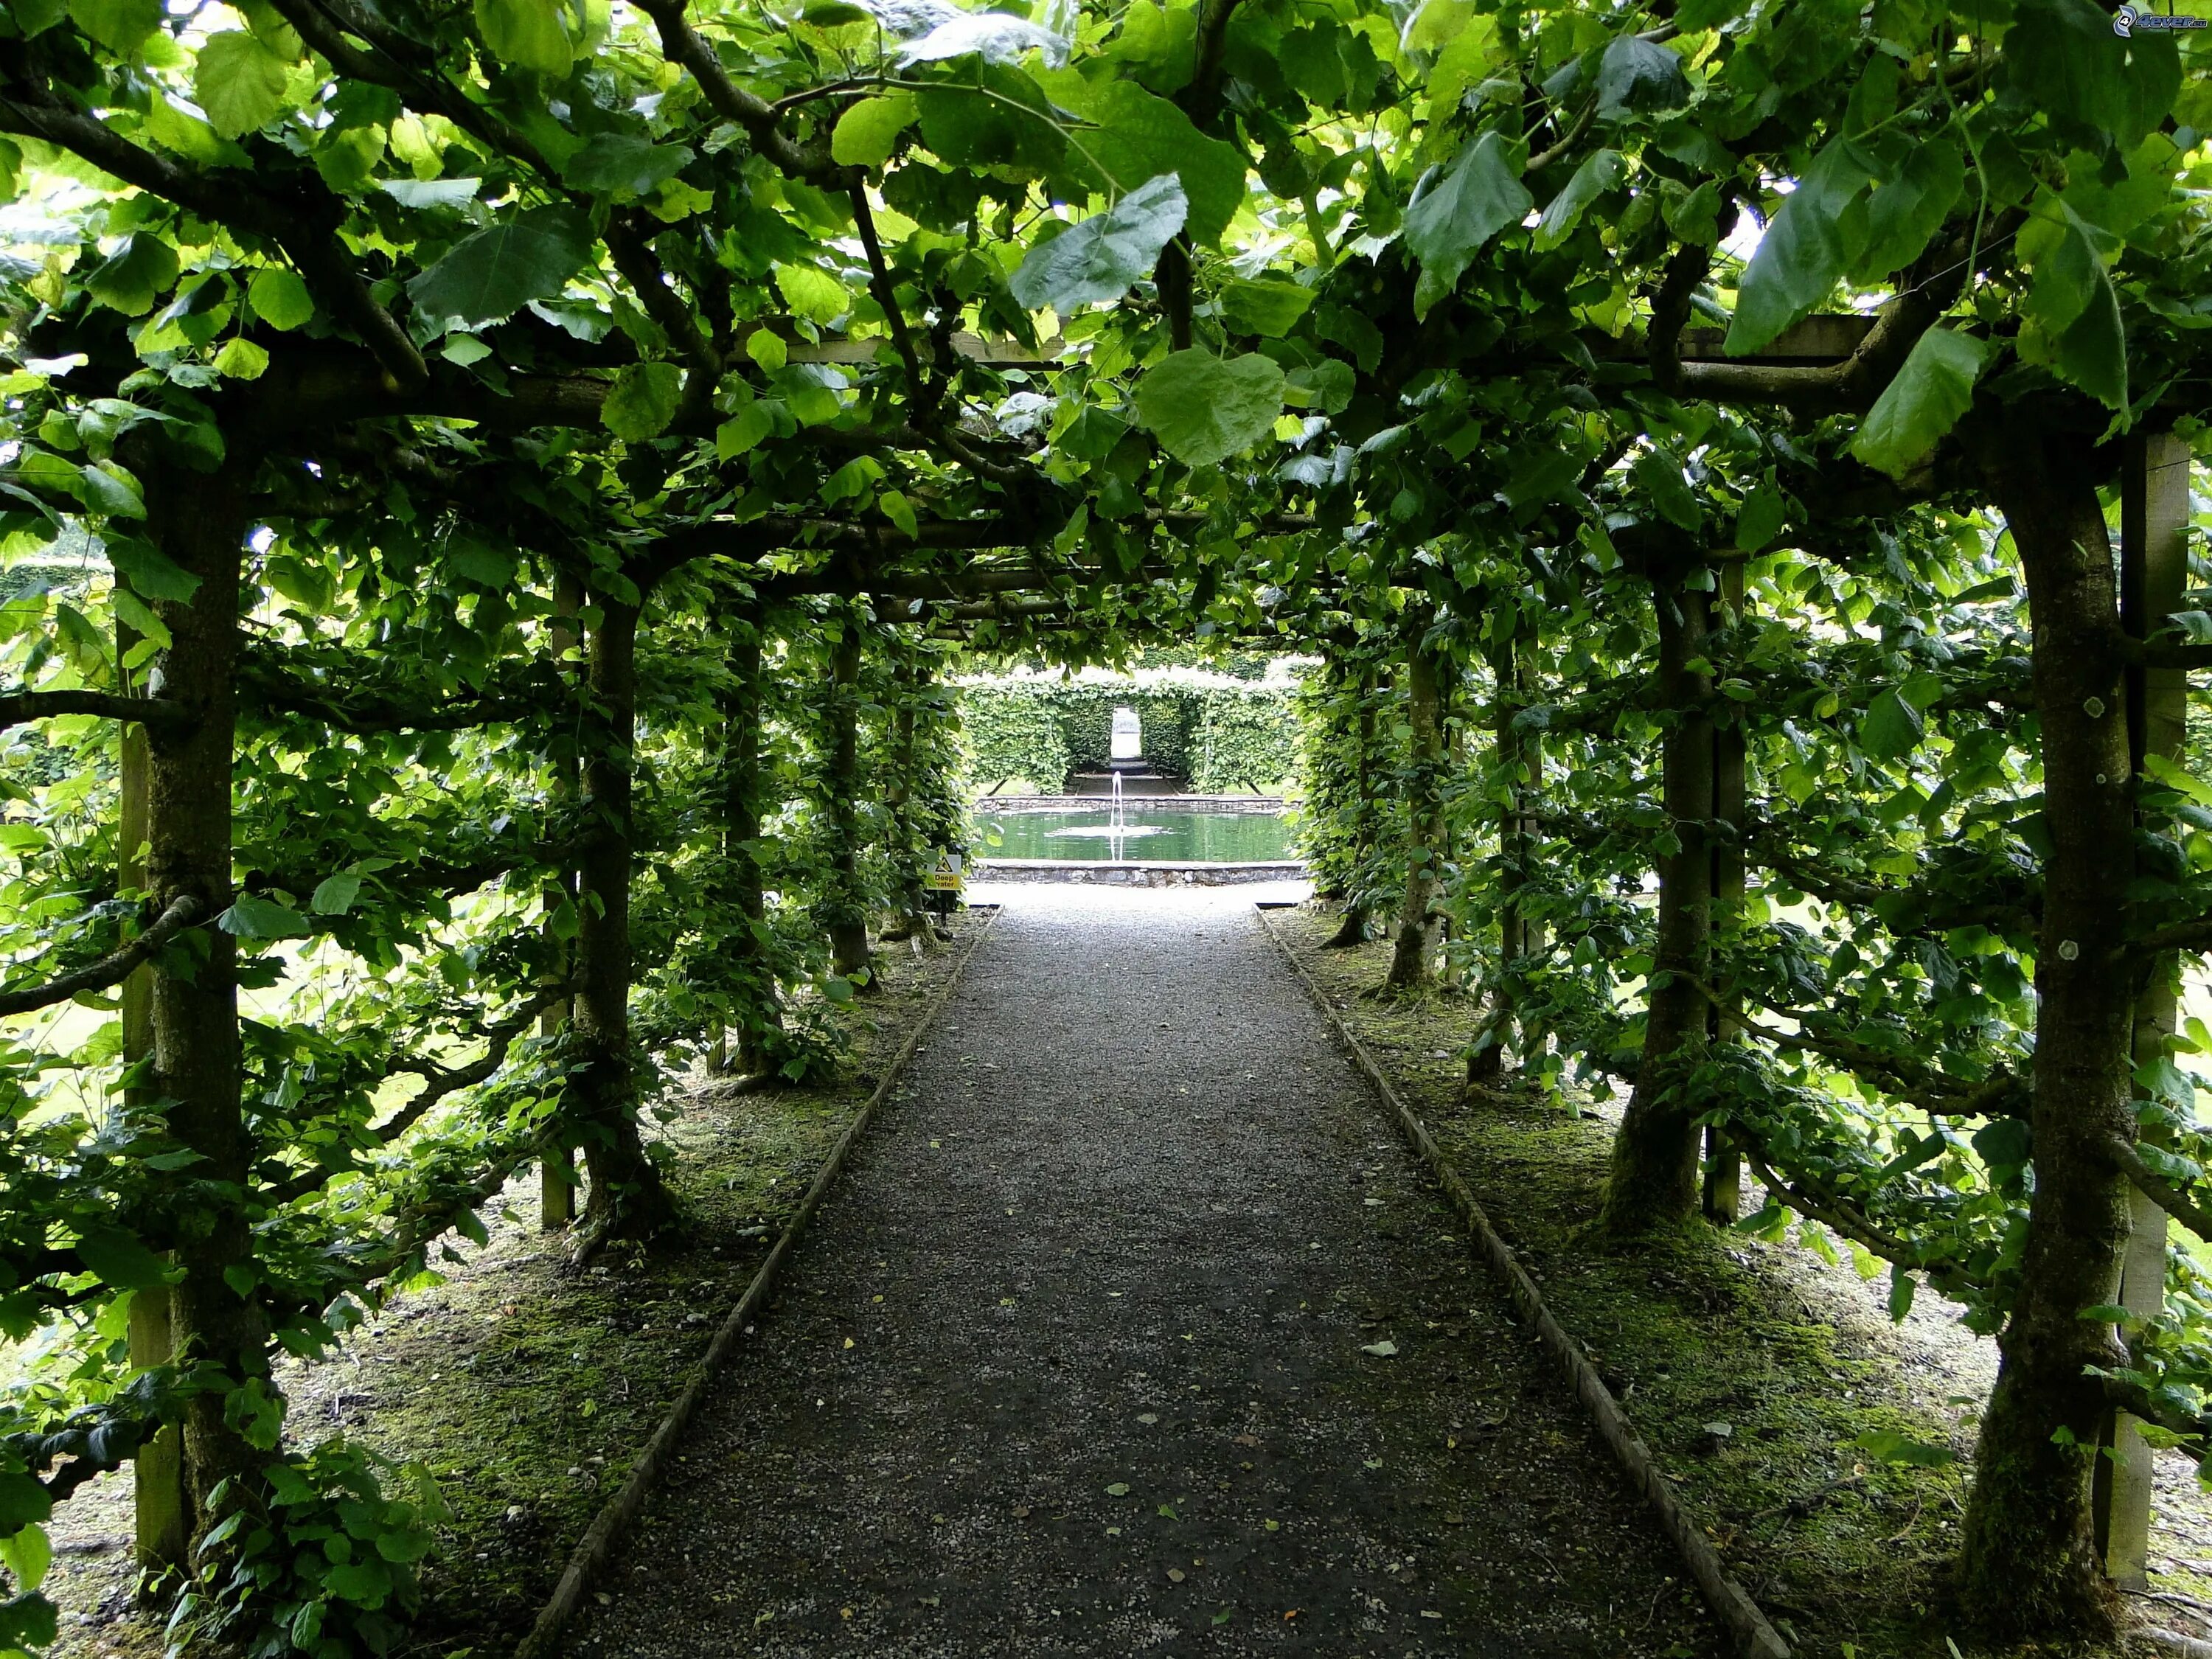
[1730, 1602]
[593, 1550]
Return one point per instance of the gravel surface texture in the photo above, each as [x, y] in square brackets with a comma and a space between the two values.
[1132, 1327]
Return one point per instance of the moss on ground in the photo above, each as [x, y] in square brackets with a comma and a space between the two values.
[528, 1387]
[1751, 1369]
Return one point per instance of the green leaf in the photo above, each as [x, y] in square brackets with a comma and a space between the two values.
[307, 583]
[1205, 408]
[1327, 385]
[624, 163]
[766, 347]
[120, 1259]
[866, 133]
[2065, 62]
[1761, 518]
[1599, 173]
[27, 1556]
[1141, 137]
[1892, 1447]
[1098, 259]
[642, 400]
[1902, 1286]
[1455, 210]
[526, 33]
[108, 489]
[1804, 252]
[488, 276]
[27, 1621]
[1638, 77]
[743, 430]
[121, 26]
[130, 609]
[366, 1583]
[1905, 213]
[132, 276]
[900, 512]
[279, 298]
[1659, 475]
[239, 82]
[1269, 308]
[24, 1502]
[334, 894]
[2072, 303]
[241, 360]
[151, 571]
[1923, 400]
[813, 293]
[250, 917]
[1891, 729]
[2005, 1140]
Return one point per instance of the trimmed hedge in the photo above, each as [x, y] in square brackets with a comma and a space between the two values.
[1219, 738]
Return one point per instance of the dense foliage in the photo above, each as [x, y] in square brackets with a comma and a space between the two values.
[1218, 735]
[487, 488]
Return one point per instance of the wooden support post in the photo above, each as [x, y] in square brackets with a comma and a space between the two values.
[556, 1173]
[1723, 1178]
[161, 1538]
[2154, 577]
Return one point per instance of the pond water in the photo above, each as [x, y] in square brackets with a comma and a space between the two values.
[1147, 833]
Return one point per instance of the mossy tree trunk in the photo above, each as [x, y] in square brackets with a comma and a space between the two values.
[200, 521]
[1351, 929]
[1721, 1191]
[2028, 1563]
[909, 897]
[627, 1197]
[761, 1013]
[1654, 1178]
[845, 915]
[1519, 759]
[557, 1180]
[1412, 957]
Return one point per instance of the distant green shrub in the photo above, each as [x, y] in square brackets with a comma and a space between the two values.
[1220, 738]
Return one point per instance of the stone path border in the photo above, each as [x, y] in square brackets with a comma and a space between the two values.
[1730, 1602]
[596, 1546]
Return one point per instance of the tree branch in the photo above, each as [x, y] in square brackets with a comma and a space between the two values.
[2175, 1200]
[183, 912]
[682, 43]
[440, 1082]
[1851, 385]
[18, 707]
[227, 196]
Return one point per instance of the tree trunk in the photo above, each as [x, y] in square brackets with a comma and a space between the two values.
[556, 1171]
[1654, 1180]
[761, 1012]
[909, 899]
[627, 1196]
[1413, 960]
[200, 522]
[1352, 929]
[159, 1534]
[845, 914]
[2028, 1563]
[1517, 938]
[1721, 1192]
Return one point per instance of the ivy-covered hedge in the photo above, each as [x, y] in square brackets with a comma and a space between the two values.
[1219, 736]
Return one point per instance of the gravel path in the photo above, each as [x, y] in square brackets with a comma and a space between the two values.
[1079, 1359]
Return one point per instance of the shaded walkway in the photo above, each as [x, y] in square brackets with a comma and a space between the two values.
[1075, 1359]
